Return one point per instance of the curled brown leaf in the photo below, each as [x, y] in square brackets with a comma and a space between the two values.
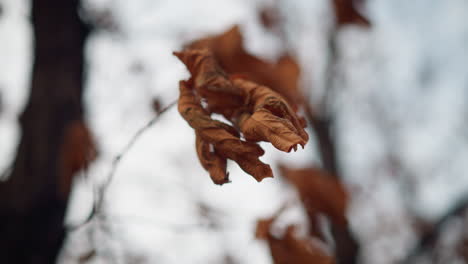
[228, 49]
[272, 119]
[256, 112]
[211, 161]
[224, 138]
[210, 81]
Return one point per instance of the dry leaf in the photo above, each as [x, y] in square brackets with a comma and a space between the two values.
[211, 82]
[228, 49]
[77, 151]
[320, 193]
[287, 72]
[271, 120]
[291, 249]
[211, 161]
[224, 138]
[260, 113]
[255, 110]
[346, 13]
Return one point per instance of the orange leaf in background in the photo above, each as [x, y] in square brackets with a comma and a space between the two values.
[291, 249]
[263, 228]
[228, 49]
[271, 120]
[319, 192]
[77, 151]
[224, 138]
[346, 13]
[287, 74]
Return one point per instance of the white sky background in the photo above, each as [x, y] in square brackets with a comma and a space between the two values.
[412, 63]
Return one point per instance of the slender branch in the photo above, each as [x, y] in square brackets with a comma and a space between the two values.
[346, 246]
[326, 145]
[132, 141]
[321, 119]
[430, 237]
[101, 189]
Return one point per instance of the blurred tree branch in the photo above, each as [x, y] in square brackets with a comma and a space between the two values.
[346, 247]
[431, 235]
[322, 120]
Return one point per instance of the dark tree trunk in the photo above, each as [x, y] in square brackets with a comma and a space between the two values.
[32, 206]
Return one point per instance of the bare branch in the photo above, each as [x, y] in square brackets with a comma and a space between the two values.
[429, 238]
[102, 188]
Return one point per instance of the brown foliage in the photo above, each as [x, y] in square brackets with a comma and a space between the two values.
[211, 82]
[224, 140]
[256, 111]
[77, 151]
[289, 248]
[228, 50]
[346, 13]
[270, 119]
[211, 161]
[320, 193]
[261, 105]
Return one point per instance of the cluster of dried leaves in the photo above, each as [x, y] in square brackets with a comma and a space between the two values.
[260, 105]
[281, 76]
[228, 81]
[260, 99]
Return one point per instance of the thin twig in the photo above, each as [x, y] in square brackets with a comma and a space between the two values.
[101, 189]
[320, 116]
[430, 237]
